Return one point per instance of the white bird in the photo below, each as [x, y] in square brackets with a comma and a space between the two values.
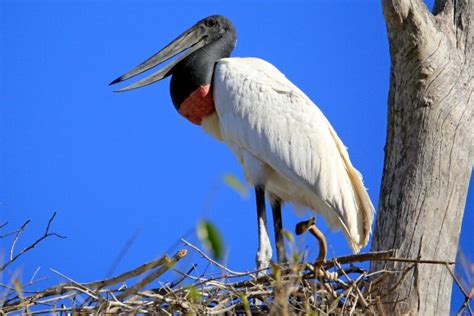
[285, 144]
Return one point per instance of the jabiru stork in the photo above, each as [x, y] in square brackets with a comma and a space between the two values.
[285, 144]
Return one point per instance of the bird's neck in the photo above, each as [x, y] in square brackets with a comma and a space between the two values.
[191, 81]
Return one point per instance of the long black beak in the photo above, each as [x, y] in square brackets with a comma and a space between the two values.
[189, 42]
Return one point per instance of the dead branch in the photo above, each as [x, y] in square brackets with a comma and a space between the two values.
[211, 260]
[154, 275]
[14, 257]
[288, 289]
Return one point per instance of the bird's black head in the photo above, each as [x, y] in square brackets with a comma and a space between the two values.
[210, 39]
[216, 27]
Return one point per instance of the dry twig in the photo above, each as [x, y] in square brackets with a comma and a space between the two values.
[14, 257]
[289, 289]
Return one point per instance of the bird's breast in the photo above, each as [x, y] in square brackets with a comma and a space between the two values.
[198, 104]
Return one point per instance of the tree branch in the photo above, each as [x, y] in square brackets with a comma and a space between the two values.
[458, 16]
[14, 257]
[169, 263]
[414, 34]
[402, 12]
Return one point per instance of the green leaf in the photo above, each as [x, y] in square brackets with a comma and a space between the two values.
[245, 303]
[289, 236]
[235, 184]
[193, 294]
[210, 236]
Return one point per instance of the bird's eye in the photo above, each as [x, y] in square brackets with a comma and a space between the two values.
[211, 22]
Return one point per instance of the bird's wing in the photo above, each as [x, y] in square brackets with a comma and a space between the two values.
[262, 111]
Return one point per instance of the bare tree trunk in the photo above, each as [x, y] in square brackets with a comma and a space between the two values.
[429, 149]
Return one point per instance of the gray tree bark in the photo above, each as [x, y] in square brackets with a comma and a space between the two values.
[429, 148]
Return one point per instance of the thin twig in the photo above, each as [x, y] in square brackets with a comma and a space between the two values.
[185, 275]
[211, 293]
[122, 253]
[381, 256]
[212, 260]
[46, 234]
[467, 297]
[18, 234]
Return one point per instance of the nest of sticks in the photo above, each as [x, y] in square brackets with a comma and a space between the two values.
[337, 286]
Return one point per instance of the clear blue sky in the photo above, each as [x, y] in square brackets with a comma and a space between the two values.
[114, 165]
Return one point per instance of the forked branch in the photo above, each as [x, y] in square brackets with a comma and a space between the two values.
[13, 257]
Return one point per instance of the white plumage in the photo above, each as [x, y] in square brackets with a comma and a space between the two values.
[286, 146]
[284, 141]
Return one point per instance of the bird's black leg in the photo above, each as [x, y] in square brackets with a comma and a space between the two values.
[264, 253]
[278, 229]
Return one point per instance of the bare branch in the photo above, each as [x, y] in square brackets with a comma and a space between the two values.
[123, 252]
[130, 274]
[184, 276]
[369, 256]
[399, 13]
[18, 233]
[291, 288]
[14, 232]
[345, 294]
[46, 234]
[211, 260]
[169, 263]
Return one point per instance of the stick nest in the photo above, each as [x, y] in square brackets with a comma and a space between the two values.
[340, 286]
